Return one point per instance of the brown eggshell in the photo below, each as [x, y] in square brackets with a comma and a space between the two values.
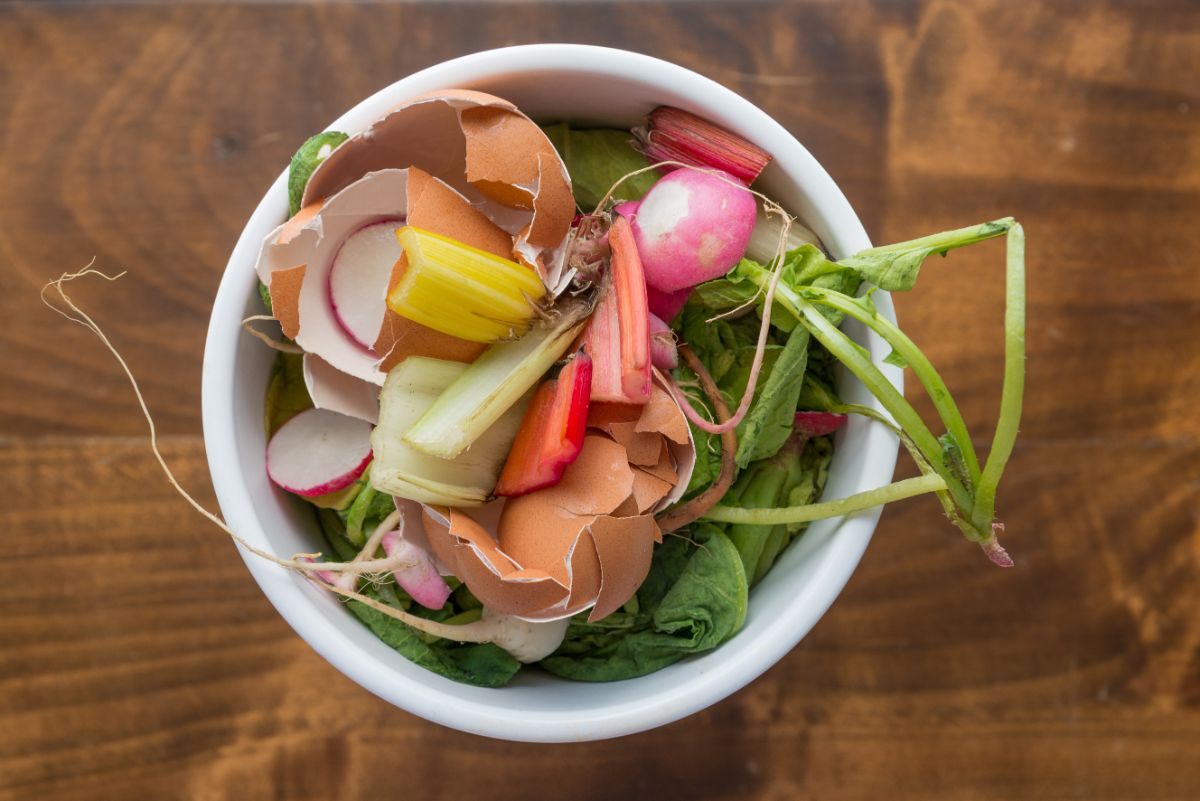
[595, 483]
[485, 149]
[554, 204]
[643, 447]
[624, 547]
[502, 154]
[285, 286]
[534, 532]
[664, 468]
[300, 219]
[464, 547]
[602, 414]
[423, 133]
[662, 415]
[377, 196]
[648, 489]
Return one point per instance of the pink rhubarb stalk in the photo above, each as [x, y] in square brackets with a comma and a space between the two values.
[551, 433]
[618, 336]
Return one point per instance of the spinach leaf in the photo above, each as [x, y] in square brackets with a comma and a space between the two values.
[693, 600]
[770, 420]
[306, 159]
[483, 665]
[368, 510]
[596, 159]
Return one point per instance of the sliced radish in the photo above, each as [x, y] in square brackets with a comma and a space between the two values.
[358, 279]
[319, 451]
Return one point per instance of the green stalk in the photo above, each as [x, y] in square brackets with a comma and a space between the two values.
[924, 370]
[850, 354]
[896, 491]
[936, 243]
[1014, 382]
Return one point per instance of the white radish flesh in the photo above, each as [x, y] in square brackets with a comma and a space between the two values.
[358, 279]
[319, 451]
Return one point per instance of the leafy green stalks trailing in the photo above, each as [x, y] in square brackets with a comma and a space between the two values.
[949, 464]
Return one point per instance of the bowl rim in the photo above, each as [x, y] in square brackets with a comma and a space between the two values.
[839, 556]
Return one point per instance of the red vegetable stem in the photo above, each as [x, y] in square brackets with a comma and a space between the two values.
[673, 134]
[551, 433]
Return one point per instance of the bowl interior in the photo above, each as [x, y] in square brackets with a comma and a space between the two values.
[581, 85]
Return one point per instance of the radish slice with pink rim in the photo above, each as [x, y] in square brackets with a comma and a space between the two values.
[319, 451]
[358, 279]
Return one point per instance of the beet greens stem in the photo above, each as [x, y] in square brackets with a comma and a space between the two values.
[1009, 421]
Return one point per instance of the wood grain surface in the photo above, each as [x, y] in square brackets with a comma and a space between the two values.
[138, 658]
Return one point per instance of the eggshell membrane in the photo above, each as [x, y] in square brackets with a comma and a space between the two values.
[436, 207]
[332, 389]
[484, 148]
[285, 286]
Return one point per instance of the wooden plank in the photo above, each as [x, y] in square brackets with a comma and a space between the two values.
[138, 658]
[143, 661]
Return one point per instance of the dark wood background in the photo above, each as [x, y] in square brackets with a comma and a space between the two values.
[139, 660]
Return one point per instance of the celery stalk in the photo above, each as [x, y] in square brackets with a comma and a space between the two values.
[401, 470]
[491, 385]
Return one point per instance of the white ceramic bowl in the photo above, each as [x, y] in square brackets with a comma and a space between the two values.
[590, 85]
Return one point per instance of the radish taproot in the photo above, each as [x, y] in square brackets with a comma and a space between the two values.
[318, 452]
[663, 352]
[358, 279]
[667, 305]
[692, 226]
[417, 575]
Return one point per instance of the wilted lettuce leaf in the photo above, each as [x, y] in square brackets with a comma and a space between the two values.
[596, 159]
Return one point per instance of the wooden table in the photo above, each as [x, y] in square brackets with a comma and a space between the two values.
[139, 660]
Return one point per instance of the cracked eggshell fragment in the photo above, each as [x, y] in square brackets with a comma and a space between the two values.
[377, 196]
[556, 552]
[332, 389]
[483, 147]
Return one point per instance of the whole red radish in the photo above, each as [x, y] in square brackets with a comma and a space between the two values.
[692, 226]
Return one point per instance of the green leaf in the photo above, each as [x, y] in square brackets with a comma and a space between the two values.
[896, 267]
[769, 422]
[287, 394]
[483, 665]
[306, 159]
[264, 292]
[596, 159]
[895, 358]
[694, 599]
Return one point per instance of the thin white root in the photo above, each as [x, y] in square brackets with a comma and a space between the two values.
[81, 317]
[267, 339]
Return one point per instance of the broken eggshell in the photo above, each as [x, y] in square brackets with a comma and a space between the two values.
[586, 541]
[300, 293]
[487, 151]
